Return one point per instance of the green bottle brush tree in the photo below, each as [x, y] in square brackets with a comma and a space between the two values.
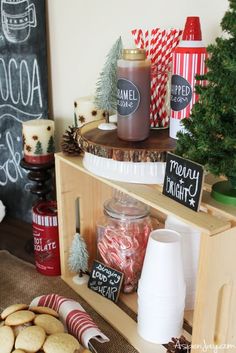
[209, 135]
[106, 87]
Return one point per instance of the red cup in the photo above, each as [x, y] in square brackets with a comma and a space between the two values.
[192, 29]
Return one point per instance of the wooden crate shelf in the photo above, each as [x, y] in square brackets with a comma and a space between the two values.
[214, 318]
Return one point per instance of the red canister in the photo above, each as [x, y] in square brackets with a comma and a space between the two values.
[46, 239]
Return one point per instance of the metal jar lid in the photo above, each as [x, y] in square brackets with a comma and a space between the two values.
[134, 54]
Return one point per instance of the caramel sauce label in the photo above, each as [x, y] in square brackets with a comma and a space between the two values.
[128, 97]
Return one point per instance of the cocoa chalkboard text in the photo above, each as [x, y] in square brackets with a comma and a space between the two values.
[183, 181]
[105, 280]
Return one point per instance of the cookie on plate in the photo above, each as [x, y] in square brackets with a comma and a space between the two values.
[49, 323]
[6, 339]
[61, 343]
[43, 310]
[19, 318]
[31, 339]
[18, 351]
[13, 308]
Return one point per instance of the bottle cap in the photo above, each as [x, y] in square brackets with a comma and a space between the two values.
[192, 29]
[134, 54]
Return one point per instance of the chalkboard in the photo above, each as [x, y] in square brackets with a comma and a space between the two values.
[181, 93]
[128, 97]
[105, 280]
[23, 94]
[183, 181]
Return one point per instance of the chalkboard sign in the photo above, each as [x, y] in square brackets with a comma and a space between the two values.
[181, 93]
[23, 94]
[183, 181]
[128, 97]
[105, 281]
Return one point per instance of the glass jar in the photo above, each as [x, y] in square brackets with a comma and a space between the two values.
[122, 237]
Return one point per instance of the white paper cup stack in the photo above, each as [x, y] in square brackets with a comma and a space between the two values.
[161, 289]
[190, 247]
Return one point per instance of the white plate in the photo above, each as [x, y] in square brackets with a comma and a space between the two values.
[141, 172]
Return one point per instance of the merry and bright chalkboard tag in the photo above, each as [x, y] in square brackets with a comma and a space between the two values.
[183, 181]
[105, 280]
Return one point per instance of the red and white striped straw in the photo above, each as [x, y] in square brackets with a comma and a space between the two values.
[159, 45]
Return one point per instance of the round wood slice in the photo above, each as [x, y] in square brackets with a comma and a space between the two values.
[105, 143]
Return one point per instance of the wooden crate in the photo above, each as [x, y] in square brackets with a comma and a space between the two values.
[213, 320]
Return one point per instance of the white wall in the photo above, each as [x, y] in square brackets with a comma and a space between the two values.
[81, 32]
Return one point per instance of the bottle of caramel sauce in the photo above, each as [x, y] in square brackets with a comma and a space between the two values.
[133, 95]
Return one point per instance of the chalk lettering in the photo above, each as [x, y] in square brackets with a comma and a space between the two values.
[176, 190]
[128, 94]
[10, 170]
[20, 82]
[183, 181]
[105, 280]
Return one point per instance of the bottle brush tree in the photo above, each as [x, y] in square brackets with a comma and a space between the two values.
[78, 257]
[106, 87]
[209, 134]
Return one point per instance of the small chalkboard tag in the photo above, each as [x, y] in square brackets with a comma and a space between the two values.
[183, 181]
[105, 280]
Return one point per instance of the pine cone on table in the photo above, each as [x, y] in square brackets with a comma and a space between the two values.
[179, 345]
[69, 145]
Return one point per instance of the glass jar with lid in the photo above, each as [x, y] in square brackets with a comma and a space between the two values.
[122, 237]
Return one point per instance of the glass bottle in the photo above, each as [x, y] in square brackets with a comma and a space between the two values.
[133, 95]
[122, 237]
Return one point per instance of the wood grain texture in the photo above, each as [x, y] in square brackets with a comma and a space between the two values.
[107, 144]
[214, 313]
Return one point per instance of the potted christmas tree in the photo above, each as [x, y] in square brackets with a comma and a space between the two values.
[209, 135]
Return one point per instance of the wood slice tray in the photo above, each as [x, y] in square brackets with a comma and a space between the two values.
[106, 144]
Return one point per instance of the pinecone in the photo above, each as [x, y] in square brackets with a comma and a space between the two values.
[179, 345]
[69, 145]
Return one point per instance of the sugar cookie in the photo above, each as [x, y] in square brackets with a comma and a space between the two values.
[31, 339]
[49, 323]
[61, 343]
[12, 308]
[6, 339]
[19, 318]
[43, 310]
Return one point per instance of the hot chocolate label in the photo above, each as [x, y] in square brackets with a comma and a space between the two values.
[128, 97]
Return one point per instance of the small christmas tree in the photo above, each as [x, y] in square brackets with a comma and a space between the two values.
[210, 133]
[78, 258]
[38, 148]
[51, 146]
[106, 90]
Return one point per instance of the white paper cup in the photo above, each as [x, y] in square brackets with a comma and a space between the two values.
[191, 237]
[161, 289]
[158, 311]
[162, 270]
[160, 306]
[158, 330]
